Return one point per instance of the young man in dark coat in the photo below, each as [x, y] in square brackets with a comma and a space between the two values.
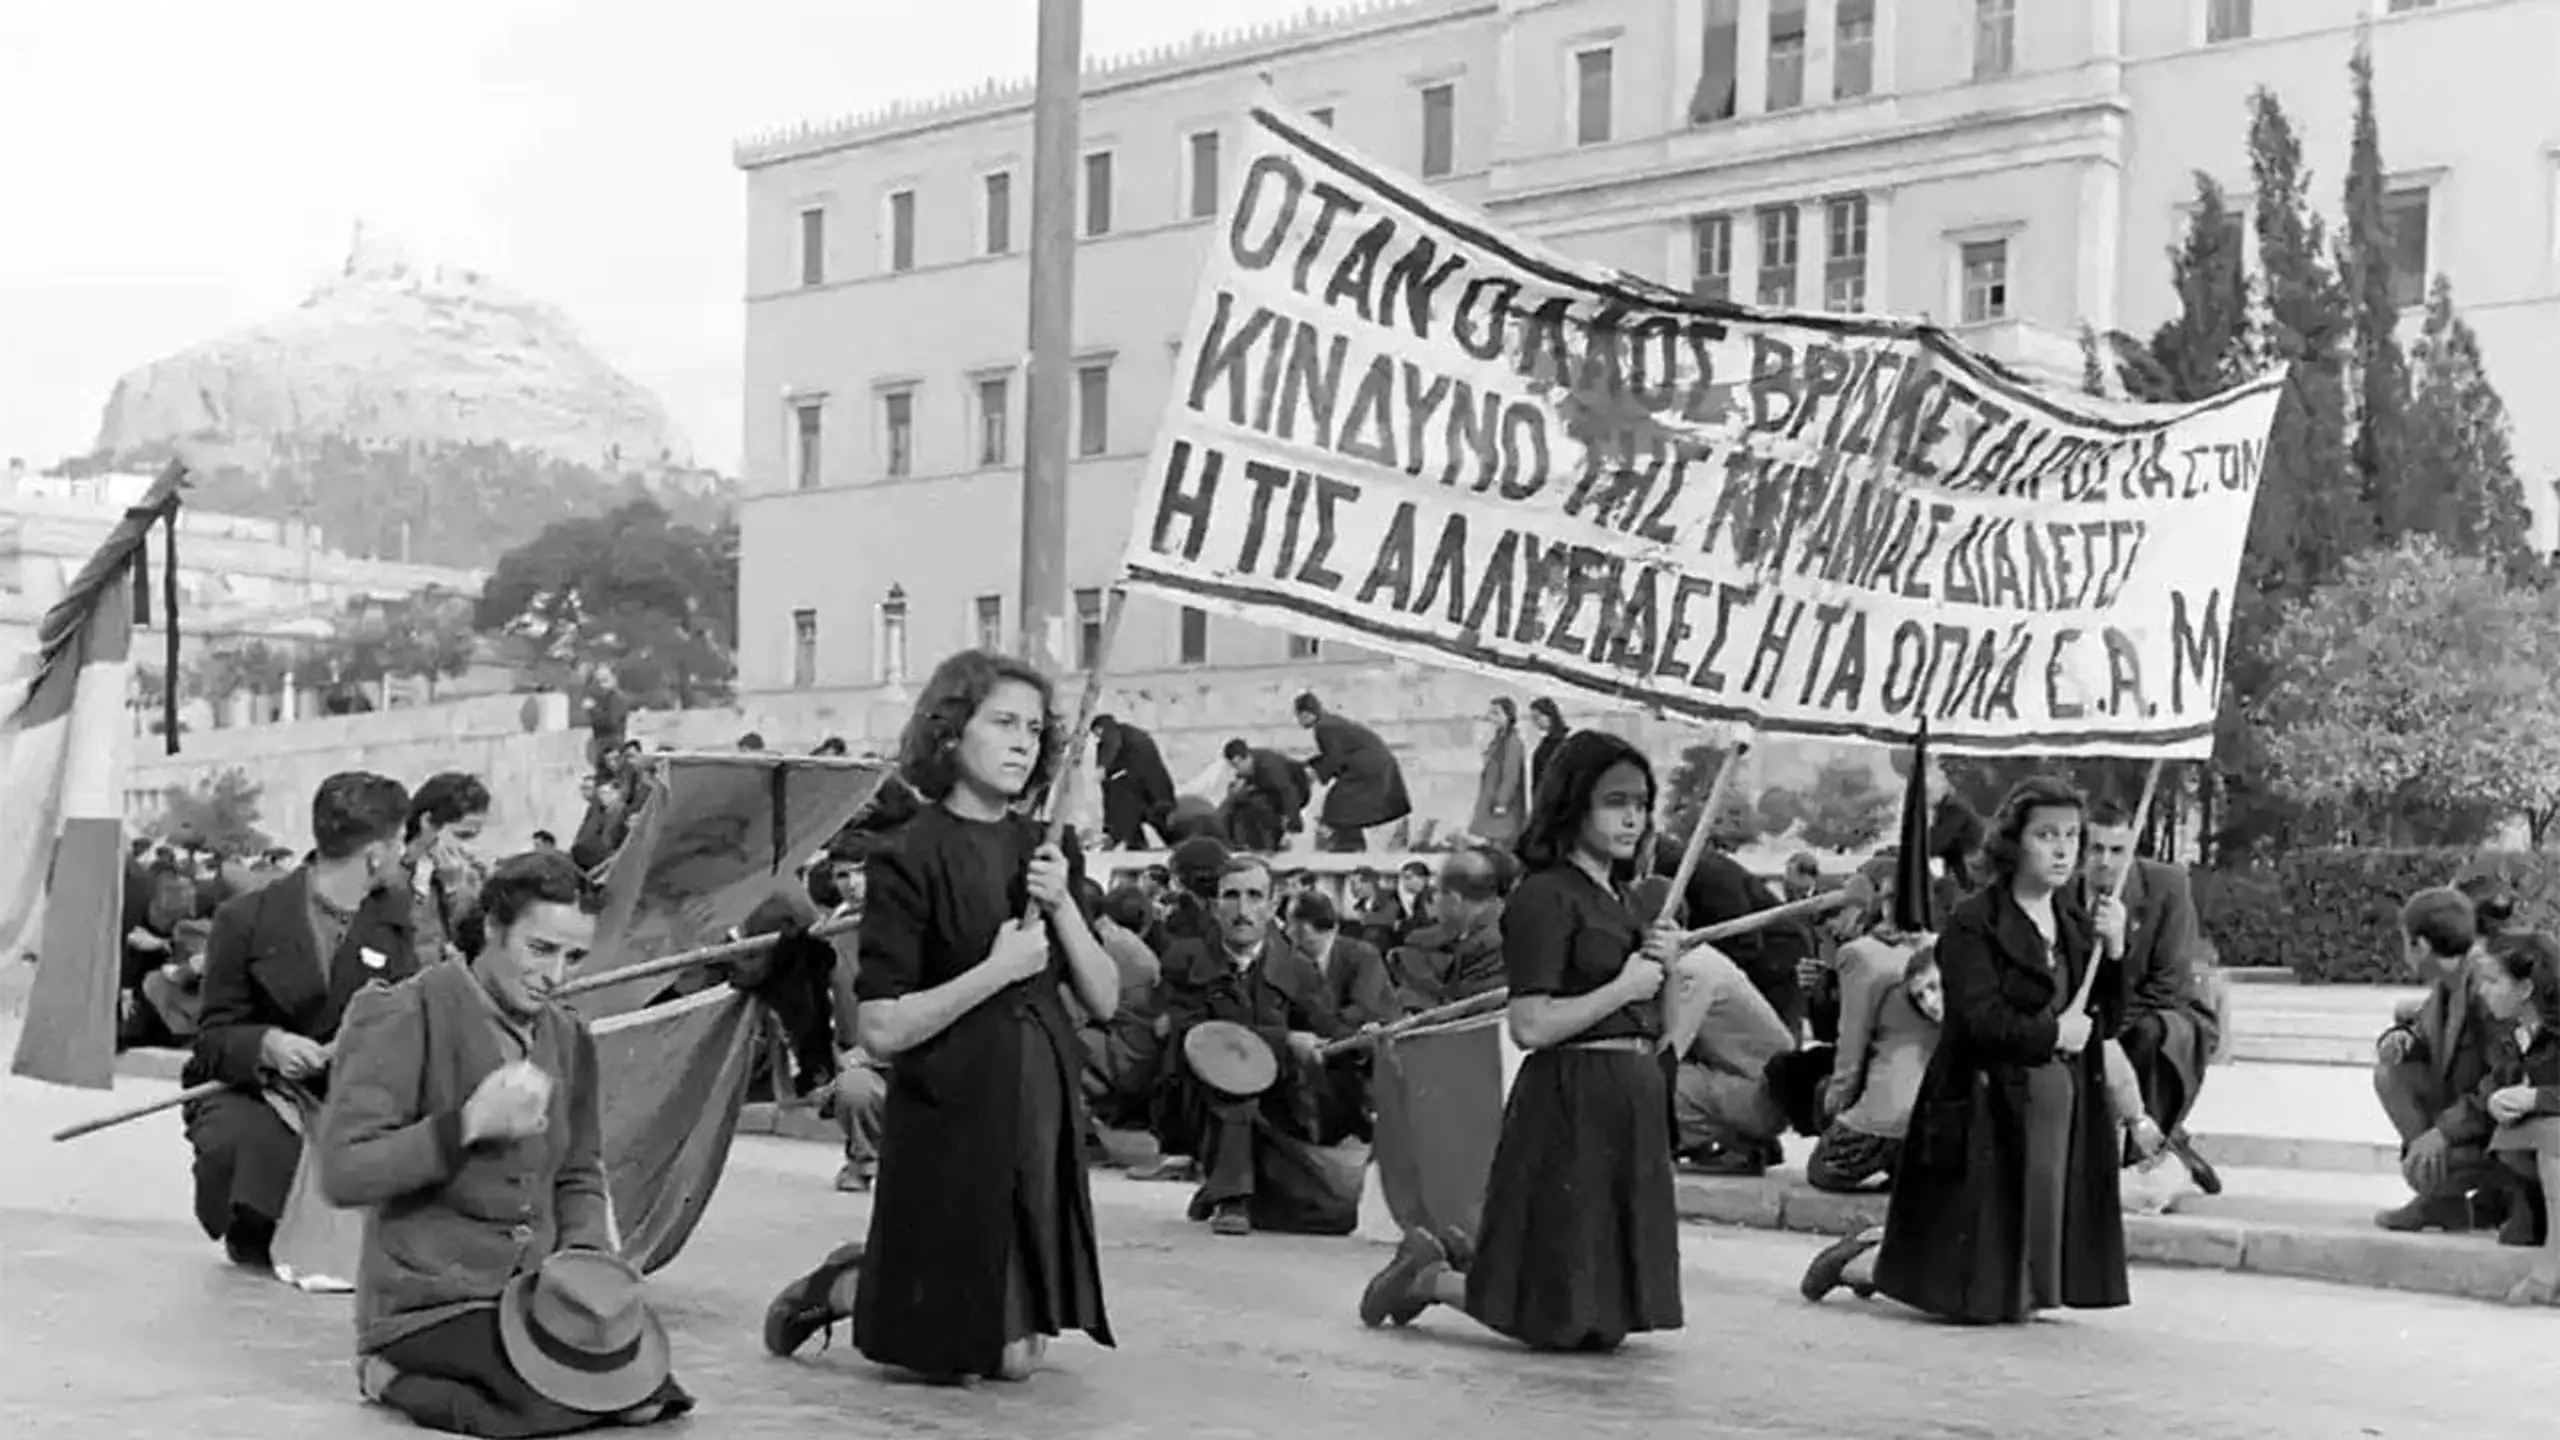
[2430, 1064]
[1137, 791]
[1265, 799]
[1367, 785]
[2169, 1029]
[282, 963]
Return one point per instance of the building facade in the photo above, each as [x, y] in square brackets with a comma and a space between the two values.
[240, 577]
[2015, 168]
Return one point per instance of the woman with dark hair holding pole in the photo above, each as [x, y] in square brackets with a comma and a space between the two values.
[2005, 1201]
[1580, 1238]
[982, 1241]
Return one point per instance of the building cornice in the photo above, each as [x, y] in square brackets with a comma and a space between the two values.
[1201, 54]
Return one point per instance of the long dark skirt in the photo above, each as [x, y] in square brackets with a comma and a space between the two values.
[1579, 1246]
[1042, 1293]
[245, 1159]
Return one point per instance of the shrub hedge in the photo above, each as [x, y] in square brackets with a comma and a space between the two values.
[2331, 916]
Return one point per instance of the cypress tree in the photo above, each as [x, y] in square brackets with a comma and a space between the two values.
[2393, 496]
[2461, 446]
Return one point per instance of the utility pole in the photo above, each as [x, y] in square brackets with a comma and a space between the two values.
[1048, 415]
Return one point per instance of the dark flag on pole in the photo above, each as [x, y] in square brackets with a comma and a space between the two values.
[1911, 883]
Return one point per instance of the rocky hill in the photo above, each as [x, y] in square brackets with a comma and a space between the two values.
[409, 411]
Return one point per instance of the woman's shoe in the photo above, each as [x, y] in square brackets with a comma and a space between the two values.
[1402, 1291]
[1829, 1270]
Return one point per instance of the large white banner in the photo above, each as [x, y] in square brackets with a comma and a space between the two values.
[1396, 425]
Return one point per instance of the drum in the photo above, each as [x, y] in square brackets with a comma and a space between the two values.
[1230, 1059]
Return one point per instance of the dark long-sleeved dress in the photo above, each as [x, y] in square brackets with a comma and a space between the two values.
[981, 1223]
[2005, 1201]
[1580, 1242]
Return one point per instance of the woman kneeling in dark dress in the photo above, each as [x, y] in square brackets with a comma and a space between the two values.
[2005, 1202]
[1580, 1242]
[982, 1241]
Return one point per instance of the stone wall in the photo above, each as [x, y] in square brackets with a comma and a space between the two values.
[523, 746]
[530, 755]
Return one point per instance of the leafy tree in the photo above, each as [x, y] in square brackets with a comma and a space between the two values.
[1846, 808]
[221, 816]
[2420, 696]
[1737, 820]
[2391, 492]
[652, 600]
[429, 636]
[2461, 451]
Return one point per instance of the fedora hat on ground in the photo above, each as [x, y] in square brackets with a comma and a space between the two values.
[578, 1332]
[1230, 1059]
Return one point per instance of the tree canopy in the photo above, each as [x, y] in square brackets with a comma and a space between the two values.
[644, 600]
[2419, 689]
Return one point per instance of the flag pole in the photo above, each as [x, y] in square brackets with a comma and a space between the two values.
[1050, 383]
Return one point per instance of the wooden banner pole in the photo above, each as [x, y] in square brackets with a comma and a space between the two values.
[1491, 1000]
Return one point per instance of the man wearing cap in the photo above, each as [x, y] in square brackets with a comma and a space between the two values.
[466, 1120]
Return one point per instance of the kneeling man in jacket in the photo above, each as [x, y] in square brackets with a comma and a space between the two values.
[465, 1117]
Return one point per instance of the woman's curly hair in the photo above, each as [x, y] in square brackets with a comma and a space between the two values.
[927, 751]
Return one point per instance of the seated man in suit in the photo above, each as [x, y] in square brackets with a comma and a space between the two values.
[2169, 1027]
[282, 963]
[1351, 977]
[1252, 1147]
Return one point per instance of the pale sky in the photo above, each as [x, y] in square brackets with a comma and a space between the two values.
[173, 169]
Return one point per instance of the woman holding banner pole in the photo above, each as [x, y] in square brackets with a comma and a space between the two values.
[1580, 1239]
[982, 1240]
[2005, 1198]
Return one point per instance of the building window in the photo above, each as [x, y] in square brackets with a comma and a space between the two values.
[1995, 38]
[1594, 95]
[999, 216]
[808, 430]
[1093, 409]
[1844, 257]
[2404, 215]
[813, 246]
[995, 418]
[1986, 280]
[898, 432]
[1439, 130]
[1195, 636]
[1711, 244]
[804, 649]
[1779, 247]
[2398, 6]
[1201, 158]
[1719, 65]
[1097, 193]
[2226, 20]
[1786, 54]
[1088, 629]
[1322, 115]
[987, 616]
[902, 231]
[1853, 64]
[1305, 647]
[889, 658]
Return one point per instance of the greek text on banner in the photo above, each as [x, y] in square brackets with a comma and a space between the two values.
[1396, 426]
